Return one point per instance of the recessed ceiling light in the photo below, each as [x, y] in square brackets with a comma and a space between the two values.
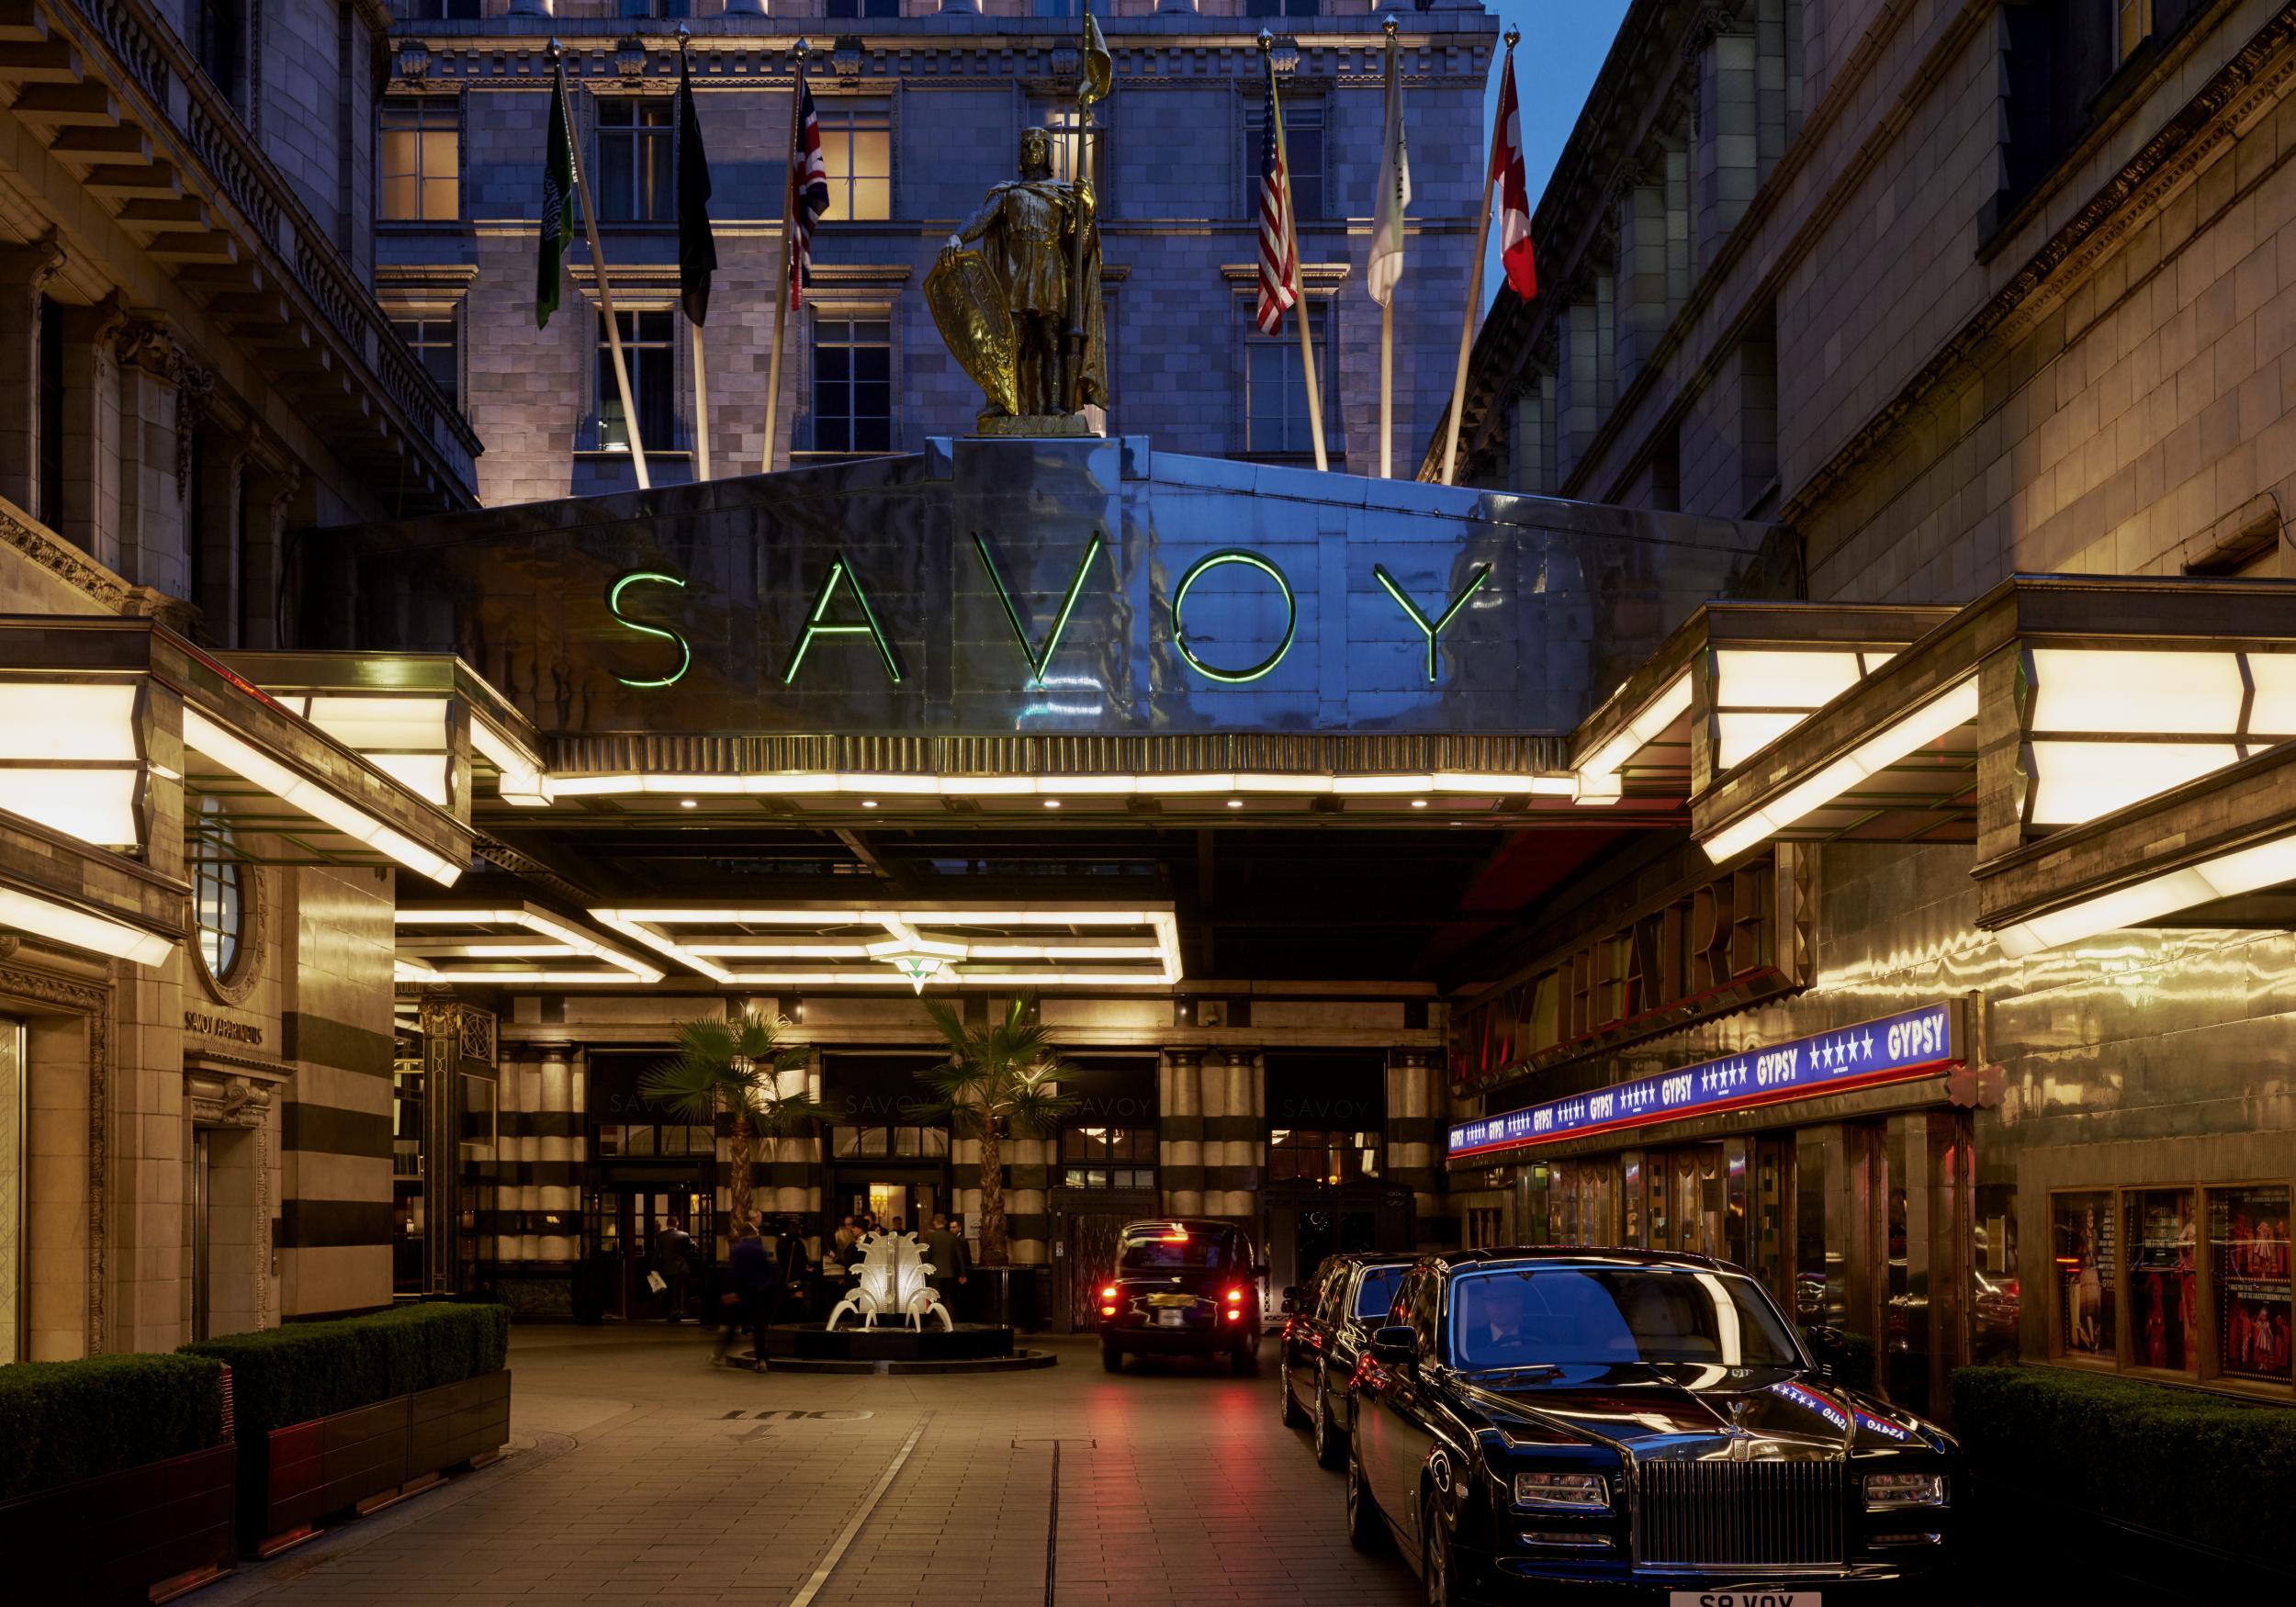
[869, 803]
[1235, 802]
[1051, 802]
[1418, 803]
[687, 804]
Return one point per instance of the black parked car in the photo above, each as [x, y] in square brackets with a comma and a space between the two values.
[1327, 1321]
[1183, 1287]
[1644, 1422]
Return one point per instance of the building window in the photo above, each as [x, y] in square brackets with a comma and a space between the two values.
[422, 158]
[1069, 8]
[852, 384]
[1303, 156]
[440, 10]
[857, 148]
[51, 401]
[2249, 1263]
[1330, 1158]
[218, 896]
[1276, 420]
[650, 348]
[2135, 25]
[431, 337]
[634, 150]
[924, 1143]
[221, 27]
[1283, 8]
[863, 8]
[1061, 122]
[654, 8]
[1108, 1157]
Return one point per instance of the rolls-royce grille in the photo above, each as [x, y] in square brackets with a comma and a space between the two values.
[1707, 1515]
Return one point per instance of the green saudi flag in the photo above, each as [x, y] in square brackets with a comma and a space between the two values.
[558, 210]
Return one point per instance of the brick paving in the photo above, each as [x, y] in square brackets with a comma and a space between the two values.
[634, 1480]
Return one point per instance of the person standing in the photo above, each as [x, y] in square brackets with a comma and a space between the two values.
[945, 1248]
[752, 1271]
[673, 1259]
[787, 1295]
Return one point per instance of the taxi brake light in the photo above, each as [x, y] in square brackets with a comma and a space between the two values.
[1108, 1310]
[1235, 1297]
[1235, 1314]
[1109, 1293]
[1176, 1236]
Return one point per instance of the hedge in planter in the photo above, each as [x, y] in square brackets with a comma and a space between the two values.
[2199, 1467]
[305, 1370]
[64, 1421]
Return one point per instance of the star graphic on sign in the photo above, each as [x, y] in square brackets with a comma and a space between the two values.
[1869, 1046]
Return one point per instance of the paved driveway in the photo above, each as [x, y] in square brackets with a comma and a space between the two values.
[641, 1474]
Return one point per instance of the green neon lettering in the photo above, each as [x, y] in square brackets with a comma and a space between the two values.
[819, 624]
[1431, 629]
[1038, 660]
[1204, 566]
[613, 606]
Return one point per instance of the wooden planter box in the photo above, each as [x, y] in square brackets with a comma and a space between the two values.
[357, 1460]
[134, 1536]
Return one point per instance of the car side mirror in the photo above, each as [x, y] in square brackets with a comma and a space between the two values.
[1292, 1297]
[1395, 1344]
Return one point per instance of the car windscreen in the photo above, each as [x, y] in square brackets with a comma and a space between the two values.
[1173, 1251]
[1375, 1293]
[1512, 1317]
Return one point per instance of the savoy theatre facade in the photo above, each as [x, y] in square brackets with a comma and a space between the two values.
[1396, 865]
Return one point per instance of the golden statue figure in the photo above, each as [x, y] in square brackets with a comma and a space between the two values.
[1022, 315]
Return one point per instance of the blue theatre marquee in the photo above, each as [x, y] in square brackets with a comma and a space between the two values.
[1887, 1050]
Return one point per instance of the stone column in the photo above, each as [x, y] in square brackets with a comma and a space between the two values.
[91, 431]
[1416, 1138]
[1578, 410]
[1777, 79]
[24, 272]
[1674, 154]
[1234, 1133]
[1642, 314]
[270, 496]
[1726, 159]
[556, 1143]
[154, 454]
[222, 489]
[1180, 1133]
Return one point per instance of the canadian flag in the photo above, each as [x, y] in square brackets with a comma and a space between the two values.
[1514, 200]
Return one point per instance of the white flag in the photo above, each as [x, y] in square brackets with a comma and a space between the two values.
[1387, 227]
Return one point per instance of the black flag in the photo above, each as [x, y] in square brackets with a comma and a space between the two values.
[697, 249]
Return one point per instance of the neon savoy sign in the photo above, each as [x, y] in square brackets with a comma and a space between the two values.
[841, 608]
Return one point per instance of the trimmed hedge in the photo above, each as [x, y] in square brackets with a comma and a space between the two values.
[64, 1421]
[305, 1370]
[1848, 1359]
[2197, 1467]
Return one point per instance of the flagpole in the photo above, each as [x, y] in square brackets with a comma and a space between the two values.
[1299, 274]
[1474, 298]
[780, 293]
[1072, 371]
[700, 377]
[598, 264]
[1387, 306]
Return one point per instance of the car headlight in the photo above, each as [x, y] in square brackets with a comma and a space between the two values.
[1889, 1492]
[1562, 1492]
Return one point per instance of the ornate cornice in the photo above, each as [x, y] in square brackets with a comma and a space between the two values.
[65, 561]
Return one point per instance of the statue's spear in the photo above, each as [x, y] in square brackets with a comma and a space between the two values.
[1095, 77]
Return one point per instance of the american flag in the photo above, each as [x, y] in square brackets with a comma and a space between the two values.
[809, 192]
[1275, 259]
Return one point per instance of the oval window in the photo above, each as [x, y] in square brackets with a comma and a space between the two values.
[218, 892]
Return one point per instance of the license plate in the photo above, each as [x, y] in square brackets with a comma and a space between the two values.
[1180, 1301]
[1170, 1318]
[1743, 1599]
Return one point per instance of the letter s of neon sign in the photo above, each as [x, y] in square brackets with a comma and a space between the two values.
[614, 606]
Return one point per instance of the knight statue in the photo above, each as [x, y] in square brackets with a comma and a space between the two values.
[1022, 314]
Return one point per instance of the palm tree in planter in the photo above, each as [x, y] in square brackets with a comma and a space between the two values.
[995, 1085]
[740, 1071]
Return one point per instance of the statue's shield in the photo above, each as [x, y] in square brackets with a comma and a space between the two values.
[969, 307]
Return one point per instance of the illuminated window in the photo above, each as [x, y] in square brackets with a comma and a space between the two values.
[431, 338]
[1303, 157]
[1275, 392]
[649, 347]
[857, 148]
[2249, 1261]
[1108, 1157]
[1061, 120]
[852, 384]
[2135, 18]
[1329, 1158]
[421, 159]
[2085, 1247]
[635, 182]
[218, 895]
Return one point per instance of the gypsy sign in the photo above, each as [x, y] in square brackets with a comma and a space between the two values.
[840, 607]
[1887, 1050]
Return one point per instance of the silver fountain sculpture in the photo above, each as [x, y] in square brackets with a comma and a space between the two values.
[892, 1282]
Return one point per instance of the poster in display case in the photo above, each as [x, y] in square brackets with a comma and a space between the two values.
[2164, 1294]
[2087, 1254]
[2248, 1247]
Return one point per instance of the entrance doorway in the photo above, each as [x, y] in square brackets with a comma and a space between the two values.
[1085, 1223]
[202, 1250]
[624, 1220]
[910, 1194]
[1306, 1222]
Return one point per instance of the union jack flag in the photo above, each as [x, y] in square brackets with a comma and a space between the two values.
[1275, 242]
[809, 192]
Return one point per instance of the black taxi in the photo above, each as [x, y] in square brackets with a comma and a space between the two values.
[1327, 1321]
[1184, 1286]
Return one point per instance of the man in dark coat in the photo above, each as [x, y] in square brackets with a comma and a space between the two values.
[751, 1269]
[945, 1248]
[673, 1259]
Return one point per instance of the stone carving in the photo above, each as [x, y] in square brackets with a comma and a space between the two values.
[891, 1281]
[1007, 311]
[65, 562]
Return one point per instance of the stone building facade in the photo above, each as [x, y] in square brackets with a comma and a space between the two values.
[921, 113]
[1990, 305]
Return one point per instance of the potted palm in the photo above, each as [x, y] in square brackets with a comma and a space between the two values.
[743, 1071]
[998, 1083]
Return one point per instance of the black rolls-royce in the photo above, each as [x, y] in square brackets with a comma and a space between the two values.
[1327, 1321]
[1642, 1421]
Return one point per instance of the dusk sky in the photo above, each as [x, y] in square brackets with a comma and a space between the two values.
[1563, 45]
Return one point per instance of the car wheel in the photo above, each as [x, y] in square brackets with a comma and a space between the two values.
[1366, 1531]
[1111, 1359]
[1435, 1572]
[1293, 1417]
[1327, 1436]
